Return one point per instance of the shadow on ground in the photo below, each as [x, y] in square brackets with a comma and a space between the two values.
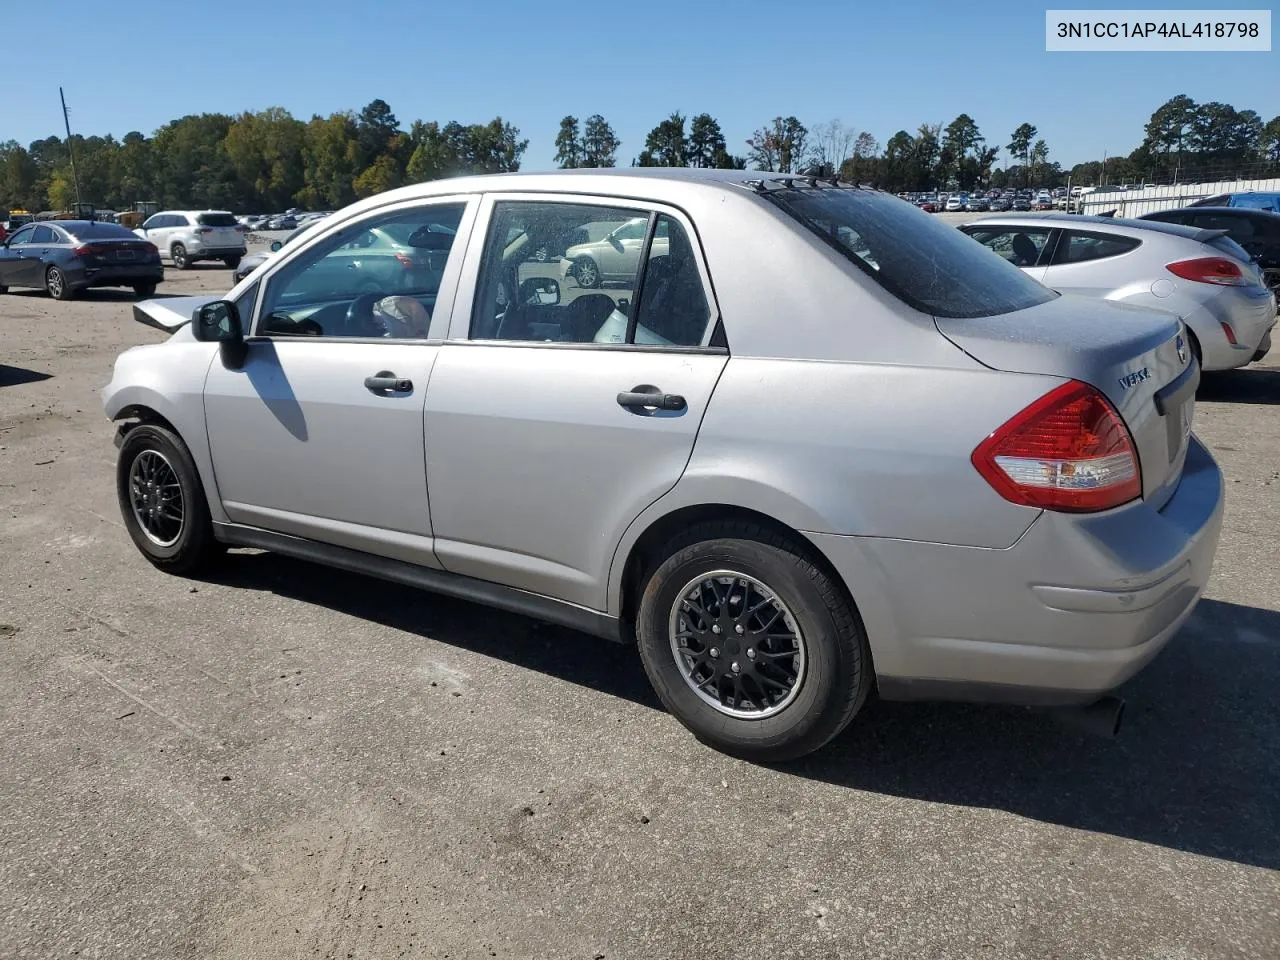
[1246, 385]
[1193, 769]
[14, 376]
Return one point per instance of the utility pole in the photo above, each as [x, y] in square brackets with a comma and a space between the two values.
[70, 152]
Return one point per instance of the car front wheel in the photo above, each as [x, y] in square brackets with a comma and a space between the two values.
[751, 644]
[587, 273]
[162, 500]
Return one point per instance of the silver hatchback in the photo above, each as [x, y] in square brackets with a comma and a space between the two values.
[1203, 276]
[853, 451]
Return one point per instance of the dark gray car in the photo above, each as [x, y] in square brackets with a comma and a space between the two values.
[67, 256]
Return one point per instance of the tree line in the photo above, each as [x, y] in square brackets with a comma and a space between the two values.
[265, 161]
[271, 160]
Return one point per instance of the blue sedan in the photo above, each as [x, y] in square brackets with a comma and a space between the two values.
[67, 256]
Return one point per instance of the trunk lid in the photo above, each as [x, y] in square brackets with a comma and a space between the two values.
[1138, 358]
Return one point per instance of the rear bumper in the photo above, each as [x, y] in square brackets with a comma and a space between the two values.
[118, 276]
[201, 252]
[1250, 318]
[1073, 609]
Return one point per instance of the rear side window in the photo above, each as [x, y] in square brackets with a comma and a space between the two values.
[1078, 247]
[923, 262]
[1021, 246]
[217, 220]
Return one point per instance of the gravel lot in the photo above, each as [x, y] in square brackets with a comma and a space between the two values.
[286, 761]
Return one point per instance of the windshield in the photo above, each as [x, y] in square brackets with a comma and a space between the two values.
[927, 264]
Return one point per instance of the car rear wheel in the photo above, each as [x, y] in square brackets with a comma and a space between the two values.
[144, 291]
[179, 256]
[231, 262]
[587, 272]
[750, 643]
[163, 501]
[55, 282]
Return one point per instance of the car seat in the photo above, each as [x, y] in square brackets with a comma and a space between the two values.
[1024, 250]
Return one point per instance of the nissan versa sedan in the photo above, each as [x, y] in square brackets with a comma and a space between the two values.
[856, 451]
[1203, 276]
[64, 257]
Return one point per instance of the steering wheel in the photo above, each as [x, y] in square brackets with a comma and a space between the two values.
[360, 320]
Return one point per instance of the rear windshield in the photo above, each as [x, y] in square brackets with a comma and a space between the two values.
[217, 220]
[923, 262]
[103, 231]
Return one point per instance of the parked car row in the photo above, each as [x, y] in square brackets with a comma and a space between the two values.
[290, 220]
[1019, 511]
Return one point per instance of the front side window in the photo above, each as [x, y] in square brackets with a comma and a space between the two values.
[1076, 247]
[925, 263]
[1021, 246]
[606, 256]
[375, 278]
[22, 236]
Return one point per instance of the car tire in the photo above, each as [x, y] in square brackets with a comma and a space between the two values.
[154, 454]
[231, 262]
[587, 273]
[178, 254]
[778, 576]
[144, 291]
[55, 281]
[3, 290]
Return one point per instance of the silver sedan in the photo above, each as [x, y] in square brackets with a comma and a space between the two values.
[816, 444]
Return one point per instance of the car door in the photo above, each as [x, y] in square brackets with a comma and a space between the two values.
[319, 432]
[541, 445]
[15, 268]
[154, 229]
[1026, 247]
[1091, 263]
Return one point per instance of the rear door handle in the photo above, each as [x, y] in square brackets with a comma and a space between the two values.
[641, 397]
[387, 382]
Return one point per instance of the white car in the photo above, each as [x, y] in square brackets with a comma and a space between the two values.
[187, 236]
[956, 202]
[614, 258]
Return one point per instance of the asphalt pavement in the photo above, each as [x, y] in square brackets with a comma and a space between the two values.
[285, 761]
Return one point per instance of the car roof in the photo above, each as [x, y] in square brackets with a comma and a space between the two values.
[1055, 220]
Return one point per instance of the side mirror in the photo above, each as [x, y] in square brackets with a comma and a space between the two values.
[276, 246]
[218, 322]
[540, 290]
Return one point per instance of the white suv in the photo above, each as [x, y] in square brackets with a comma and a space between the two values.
[185, 236]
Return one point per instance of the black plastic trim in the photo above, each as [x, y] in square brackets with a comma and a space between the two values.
[425, 578]
[1175, 393]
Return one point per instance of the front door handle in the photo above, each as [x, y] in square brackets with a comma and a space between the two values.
[387, 382]
[638, 398]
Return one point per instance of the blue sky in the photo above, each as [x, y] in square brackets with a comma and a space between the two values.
[880, 66]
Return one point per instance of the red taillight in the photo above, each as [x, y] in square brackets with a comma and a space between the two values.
[1217, 270]
[152, 249]
[1067, 451]
[204, 229]
[1231, 334]
[406, 261]
[89, 250]
[240, 229]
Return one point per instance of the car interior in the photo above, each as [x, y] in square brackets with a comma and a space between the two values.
[673, 308]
